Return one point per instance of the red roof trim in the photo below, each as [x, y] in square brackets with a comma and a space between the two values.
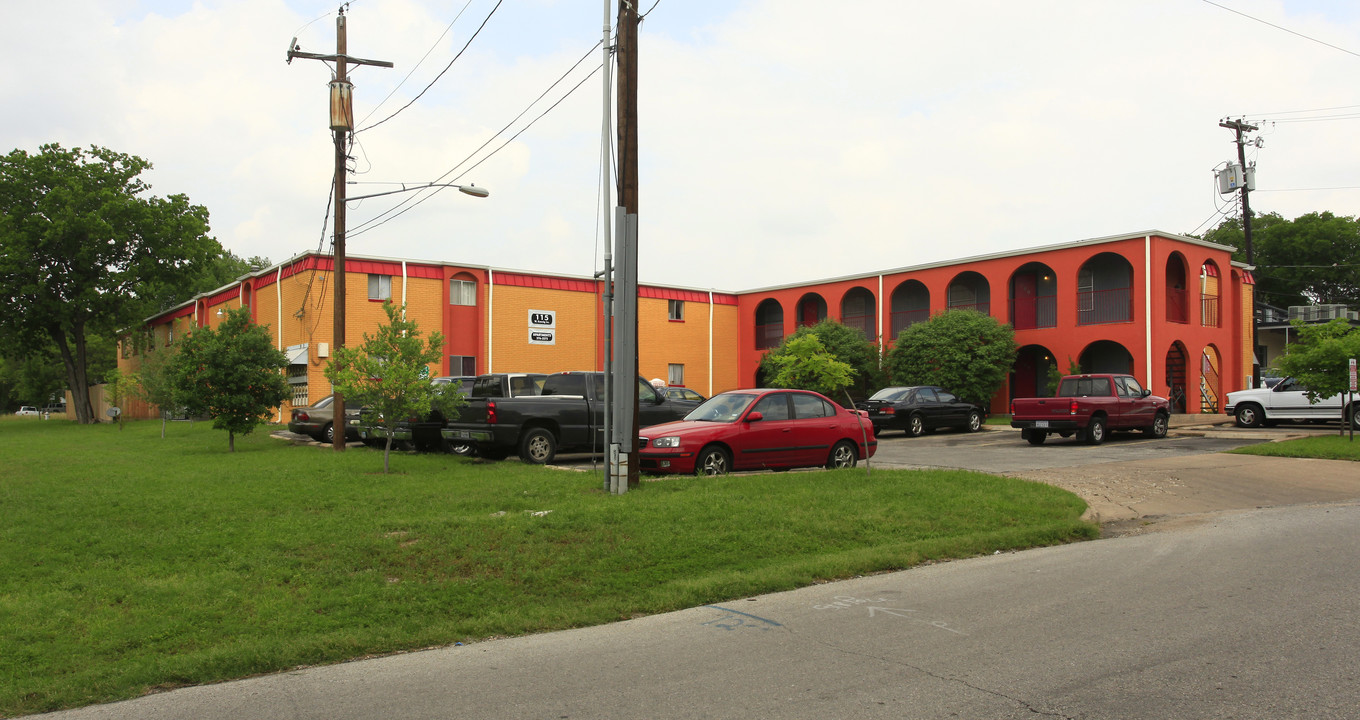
[547, 283]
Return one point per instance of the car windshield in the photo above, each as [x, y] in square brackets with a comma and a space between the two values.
[724, 408]
[892, 394]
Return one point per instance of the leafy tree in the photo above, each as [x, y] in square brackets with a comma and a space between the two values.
[963, 351]
[156, 382]
[232, 374]
[80, 238]
[842, 343]
[1320, 358]
[1314, 258]
[806, 364]
[390, 374]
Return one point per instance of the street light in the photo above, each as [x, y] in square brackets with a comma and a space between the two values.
[472, 190]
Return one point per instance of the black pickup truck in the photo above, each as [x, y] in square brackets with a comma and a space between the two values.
[567, 415]
[424, 433]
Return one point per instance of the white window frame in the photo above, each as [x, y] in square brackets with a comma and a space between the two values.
[675, 310]
[379, 287]
[462, 292]
[675, 374]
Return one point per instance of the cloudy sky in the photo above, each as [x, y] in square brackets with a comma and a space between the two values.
[780, 140]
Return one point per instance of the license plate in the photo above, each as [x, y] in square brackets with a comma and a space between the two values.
[1041, 423]
[462, 434]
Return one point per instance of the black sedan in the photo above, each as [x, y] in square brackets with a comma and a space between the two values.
[919, 409]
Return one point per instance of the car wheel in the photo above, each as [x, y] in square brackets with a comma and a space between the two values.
[328, 433]
[916, 425]
[1249, 415]
[1095, 432]
[843, 455]
[1157, 430]
[712, 461]
[1354, 417]
[538, 446]
[459, 447]
[974, 421]
[1035, 437]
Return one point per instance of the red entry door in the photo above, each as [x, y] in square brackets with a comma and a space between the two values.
[1026, 292]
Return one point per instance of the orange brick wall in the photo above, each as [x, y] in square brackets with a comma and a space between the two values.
[577, 328]
[690, 342]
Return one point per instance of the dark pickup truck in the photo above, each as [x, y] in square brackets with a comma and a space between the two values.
[1090, 406]
[567, 416]
[425, 433]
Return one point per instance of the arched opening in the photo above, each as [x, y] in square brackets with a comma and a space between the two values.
[857, 311]
[1106, 356]
[970, 291]
[1029, 377]
[1177, 294]
[1105, 290]
[910, 305]
[1208, 294]
[769, 324]
[247, 295]
[1177, 366]
[811, 310]
[1210, 382]
[1034, 297]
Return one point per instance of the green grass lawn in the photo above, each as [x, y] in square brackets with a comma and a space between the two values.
[1327, 447]
[129, 563]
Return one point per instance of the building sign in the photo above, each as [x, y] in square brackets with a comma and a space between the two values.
[542, 327]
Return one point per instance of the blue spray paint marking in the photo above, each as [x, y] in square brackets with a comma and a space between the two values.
[739, 622]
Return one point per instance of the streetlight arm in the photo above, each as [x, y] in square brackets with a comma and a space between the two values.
[472, 190]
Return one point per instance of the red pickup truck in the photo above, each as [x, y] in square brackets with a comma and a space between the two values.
[1090, 406]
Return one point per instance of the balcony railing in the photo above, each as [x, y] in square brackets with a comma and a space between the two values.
[984, 307]
[1096, 307]
[1035, 312]
[1208, 310]
[769, 335]
[903, 319]
[862, 323]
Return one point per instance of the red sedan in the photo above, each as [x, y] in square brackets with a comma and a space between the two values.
[759, 429]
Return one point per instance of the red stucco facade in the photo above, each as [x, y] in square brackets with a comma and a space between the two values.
[1168, 309]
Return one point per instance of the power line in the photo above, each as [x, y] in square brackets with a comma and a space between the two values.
[420, 62]
[1279, 27]
[417, 199]
[441, 72]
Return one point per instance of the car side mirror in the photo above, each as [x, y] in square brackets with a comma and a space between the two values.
[1146, 392]
[753, 417]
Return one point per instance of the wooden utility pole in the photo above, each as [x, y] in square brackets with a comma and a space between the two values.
[342, 123]
[627, 366]
[1239, 127]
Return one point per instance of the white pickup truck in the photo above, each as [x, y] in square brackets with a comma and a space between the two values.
[1287, 401]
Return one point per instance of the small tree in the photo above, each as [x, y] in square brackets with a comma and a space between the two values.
[118, 388]
[156, 382]
[842, 343]
[390, 373]
[805, 363]
[1320, 358]
[962, 350]
[232, 374]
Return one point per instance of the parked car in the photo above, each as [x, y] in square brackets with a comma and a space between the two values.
[758, 429]
[1287, 401]
[919, 409]
[1090, 406]
[422, 433]
[318, 421]
[27, 410]
[566, 416]
[680, 393]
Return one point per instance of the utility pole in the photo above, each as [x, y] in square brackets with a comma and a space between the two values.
[625, 469]
[1239, 127]
[342, 123]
